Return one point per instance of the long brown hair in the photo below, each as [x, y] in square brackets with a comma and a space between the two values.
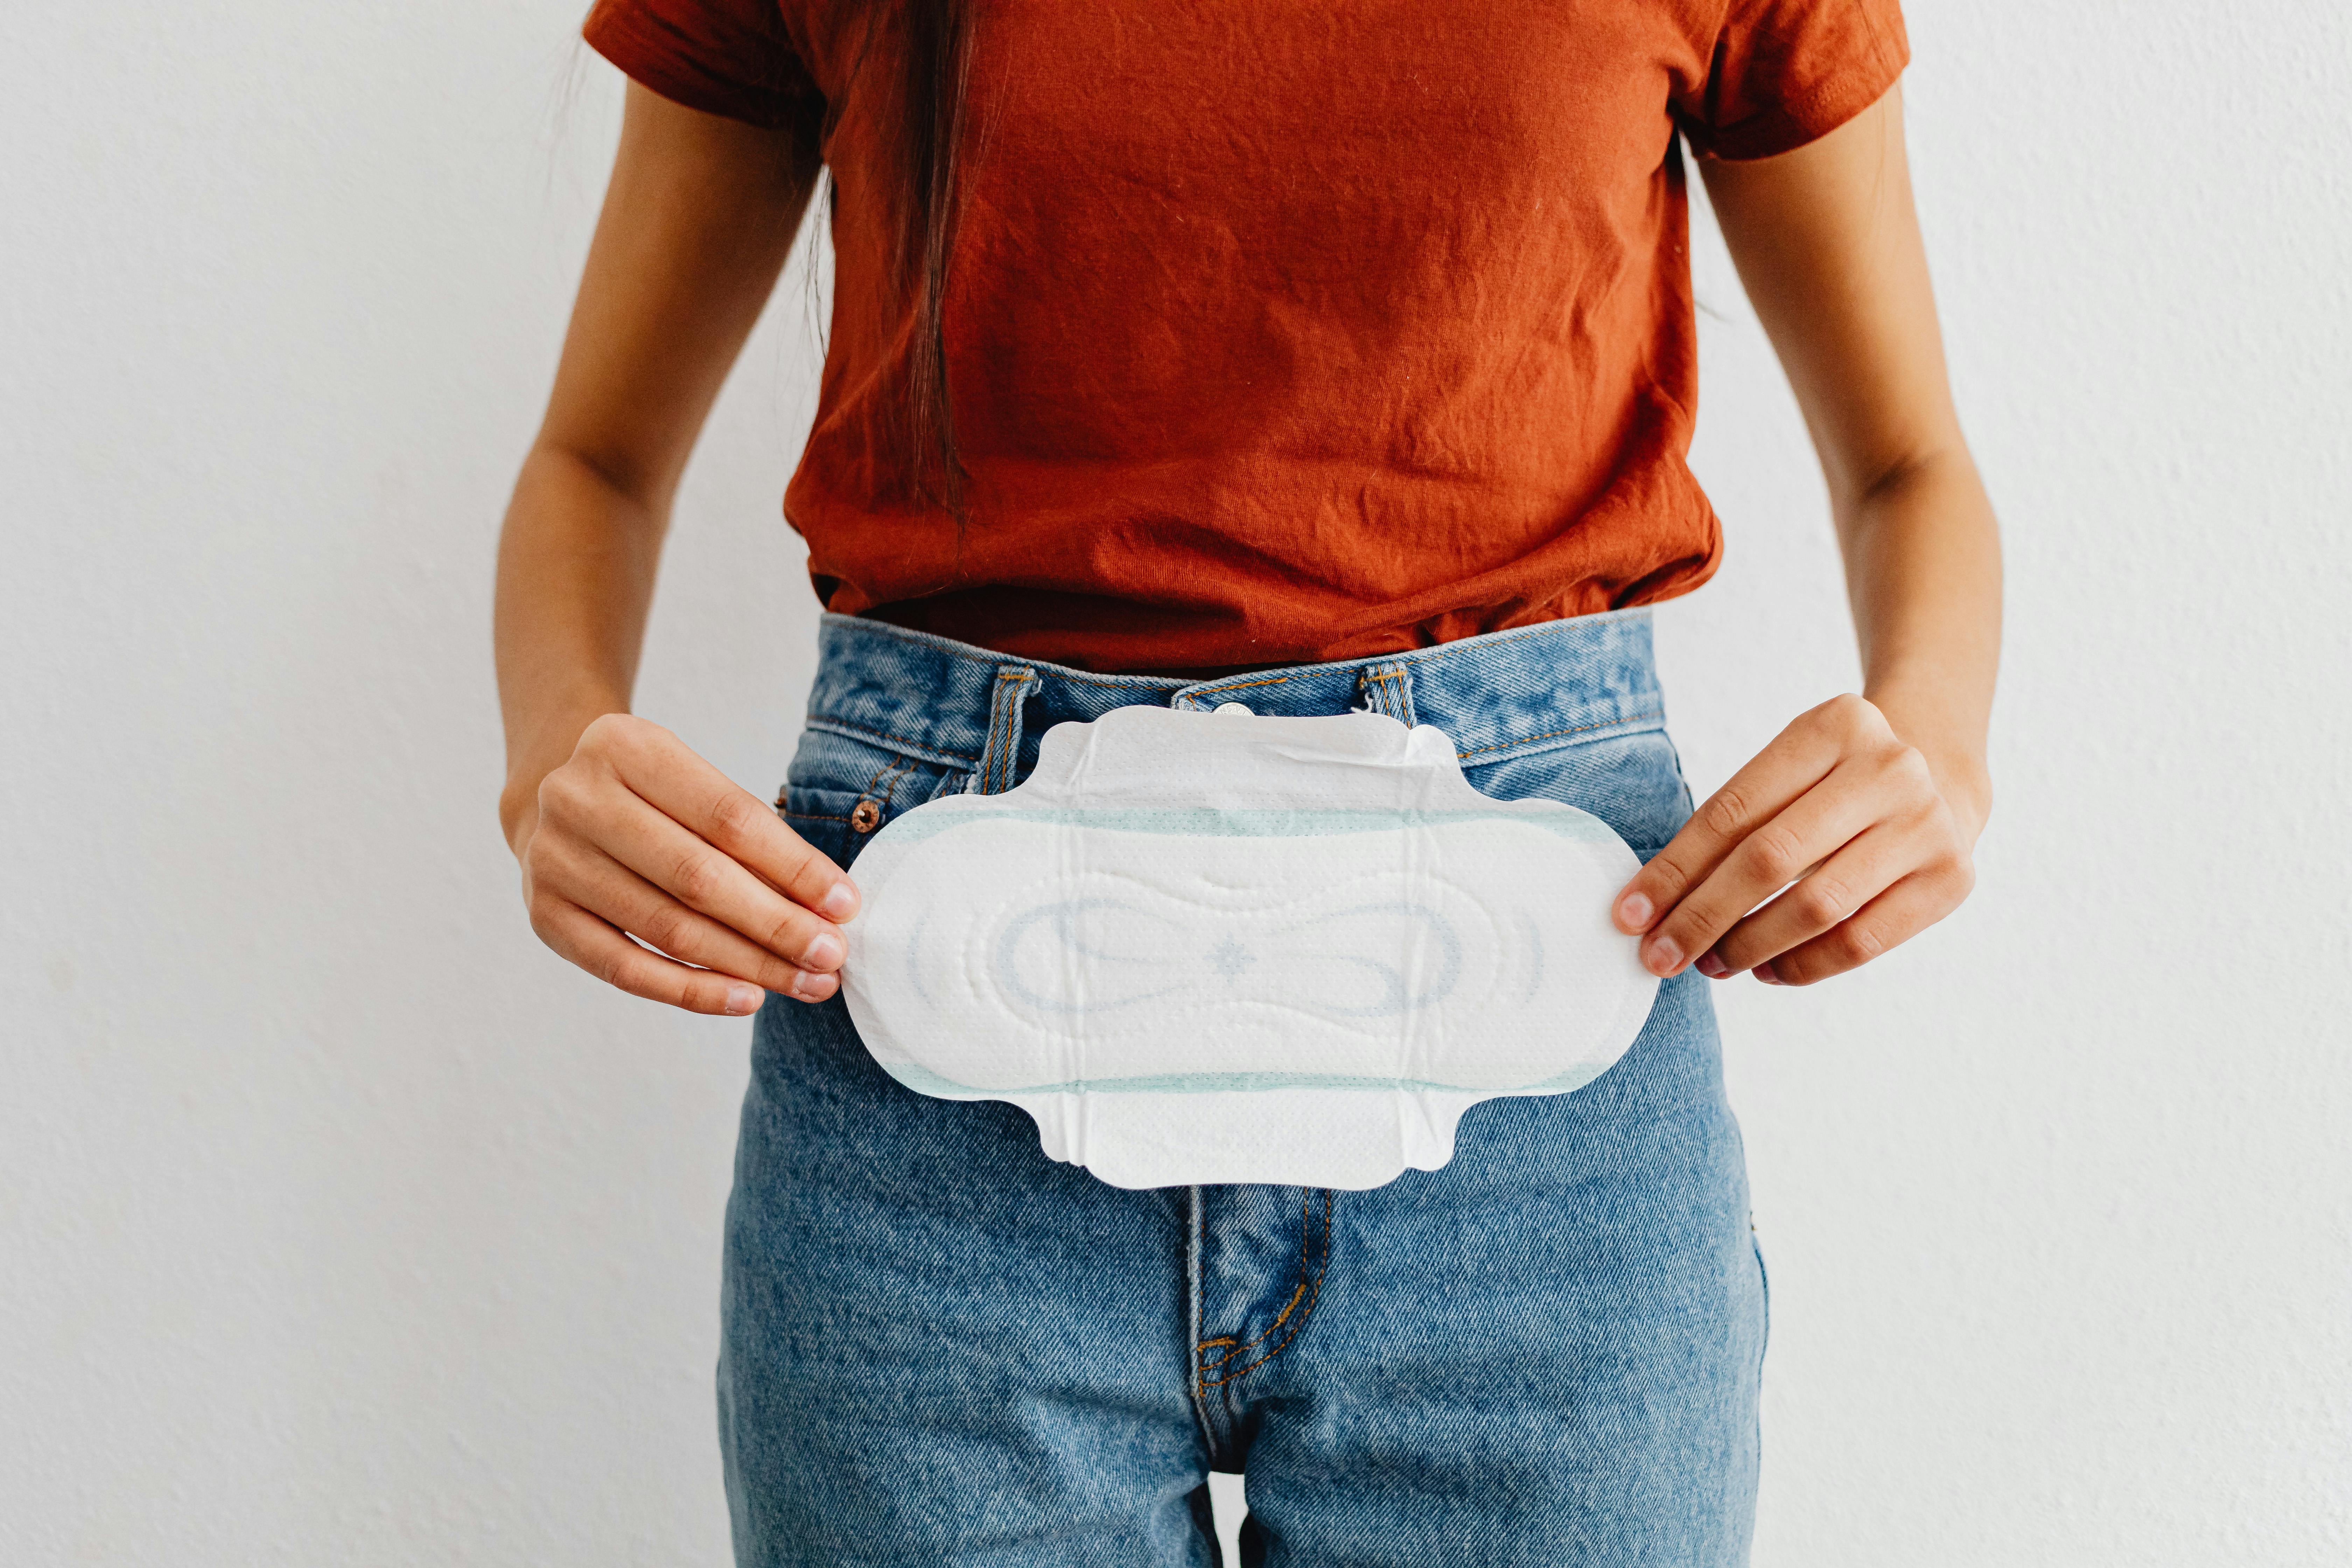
[937, 36]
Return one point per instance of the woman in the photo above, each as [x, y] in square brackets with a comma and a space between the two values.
[1344, 354]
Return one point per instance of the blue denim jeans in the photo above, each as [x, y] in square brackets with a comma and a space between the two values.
[941, 1347]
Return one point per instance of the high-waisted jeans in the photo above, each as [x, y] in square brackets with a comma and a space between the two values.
[941, 1347]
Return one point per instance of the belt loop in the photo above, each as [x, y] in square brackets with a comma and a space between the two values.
[1386, 689]
[1001, 755]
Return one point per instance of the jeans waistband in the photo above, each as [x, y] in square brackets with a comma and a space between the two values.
[1502, 695]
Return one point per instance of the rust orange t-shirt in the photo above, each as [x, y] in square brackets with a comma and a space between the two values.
[1277, 331]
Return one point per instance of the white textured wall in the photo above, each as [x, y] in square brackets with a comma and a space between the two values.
[338, 1224]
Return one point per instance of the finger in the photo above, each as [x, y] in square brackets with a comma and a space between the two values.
[1813, 827]
[703, 877]
[1799, 757]
[612, 958]
[1888, 921]
[601, 885]
[686, 788]
[1867, 867]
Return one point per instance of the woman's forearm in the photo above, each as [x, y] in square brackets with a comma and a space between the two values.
[641, 862]
[701, 212]
[1853, 830]
[1923, 576]
[576, 564]
[1828, 245]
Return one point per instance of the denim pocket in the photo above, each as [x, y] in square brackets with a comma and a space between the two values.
[838, 792]
[823, 819]
[1633, 782]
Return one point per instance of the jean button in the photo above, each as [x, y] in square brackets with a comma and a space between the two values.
[863, 815]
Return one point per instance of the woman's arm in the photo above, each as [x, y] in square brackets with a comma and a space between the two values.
[618, 827]
[1870, 806]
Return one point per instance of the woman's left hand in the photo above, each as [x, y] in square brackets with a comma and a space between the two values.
[1840, 813]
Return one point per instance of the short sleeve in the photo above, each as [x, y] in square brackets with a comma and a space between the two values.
[1783, 73]
[733, 57]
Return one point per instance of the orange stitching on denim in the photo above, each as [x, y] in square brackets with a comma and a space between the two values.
[898, 768]
[886, 735]
[1306, 1196]
[1551, 734]
[1269, 680]
[983, 767]
[886, 767]
[1279, 1318]
[1313, 1289]
[1003, 722]
[1165, 683]
[989, 762]
[1305, 1219]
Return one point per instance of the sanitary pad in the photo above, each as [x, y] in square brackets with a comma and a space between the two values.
[1216, 947]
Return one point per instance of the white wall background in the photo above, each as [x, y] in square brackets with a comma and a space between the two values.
[339, 1223]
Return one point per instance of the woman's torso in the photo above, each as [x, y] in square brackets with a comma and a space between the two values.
[1275, 334]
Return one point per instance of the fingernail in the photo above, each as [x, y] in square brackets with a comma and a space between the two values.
[1633, 911]
[1662, 956]
[839, 902]
[810, 988]
[1764, 971]
[743, 998]
[824, 952]
[1711, 966]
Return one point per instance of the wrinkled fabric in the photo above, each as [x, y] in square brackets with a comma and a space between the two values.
[942, 1348]
[1280, 332]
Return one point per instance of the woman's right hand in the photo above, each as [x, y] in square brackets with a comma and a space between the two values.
[637, 837]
